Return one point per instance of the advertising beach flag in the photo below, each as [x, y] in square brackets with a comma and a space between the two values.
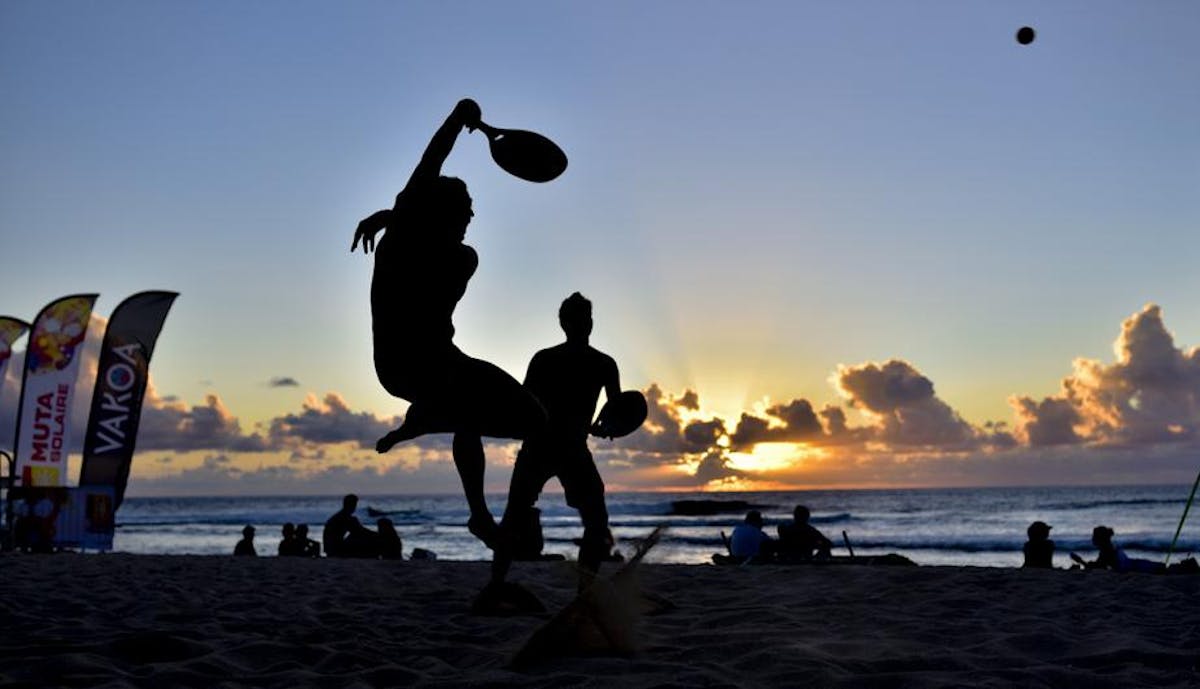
[11, 330]
[120, 386]
[51, 367]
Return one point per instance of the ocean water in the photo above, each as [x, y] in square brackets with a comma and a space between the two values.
[980, 527]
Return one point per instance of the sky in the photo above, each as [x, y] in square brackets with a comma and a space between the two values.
[837, 244]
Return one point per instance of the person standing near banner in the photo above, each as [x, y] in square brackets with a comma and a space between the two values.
[422, 268]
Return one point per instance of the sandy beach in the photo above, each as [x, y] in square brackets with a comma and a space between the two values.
[206, 621]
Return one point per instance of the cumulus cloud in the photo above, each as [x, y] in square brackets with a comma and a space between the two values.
[209, 426]
[792, 422]
[329, 420]
[903, 402]
[714, 467]
[1149, 395]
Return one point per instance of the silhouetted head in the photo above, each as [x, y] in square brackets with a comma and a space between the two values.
[449, 210]
[350, 502]
[575, 317]
[302, 531]
[801, 514]
[754, 517]
[1102, 535]
[386, 526]
[289, 529]
[1038, 531]
[248, 532]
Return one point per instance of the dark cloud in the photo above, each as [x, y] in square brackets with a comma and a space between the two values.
[1049, 422]
[210, 426]
[715, 467]
[794, 422]
[699, 436]
[329, 420]
[903, 401]
[283, 382]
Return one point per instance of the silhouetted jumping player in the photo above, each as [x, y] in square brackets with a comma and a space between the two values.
[567, 378]
[422, 268]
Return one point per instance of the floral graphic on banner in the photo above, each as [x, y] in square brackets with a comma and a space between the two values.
[57, 334]
[10, 330]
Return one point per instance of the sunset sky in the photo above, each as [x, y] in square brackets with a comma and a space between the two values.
[837, 244]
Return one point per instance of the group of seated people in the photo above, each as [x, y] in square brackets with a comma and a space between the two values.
[296, 543]
[797, 540]
[344, 536]
[1039, 553]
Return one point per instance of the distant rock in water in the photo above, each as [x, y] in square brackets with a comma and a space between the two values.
[699, 508]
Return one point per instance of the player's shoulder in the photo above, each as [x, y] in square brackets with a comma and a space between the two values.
[602, 357]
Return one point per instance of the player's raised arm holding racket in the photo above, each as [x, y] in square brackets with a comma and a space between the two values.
[422, 267]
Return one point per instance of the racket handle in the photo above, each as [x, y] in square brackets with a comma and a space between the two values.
[489, 131]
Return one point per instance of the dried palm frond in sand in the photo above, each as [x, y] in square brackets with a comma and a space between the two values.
[601, 620]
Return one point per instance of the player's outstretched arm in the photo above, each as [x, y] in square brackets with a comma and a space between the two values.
[368, 228]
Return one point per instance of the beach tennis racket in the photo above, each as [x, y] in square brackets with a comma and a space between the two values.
[621, 415]
[527, 155]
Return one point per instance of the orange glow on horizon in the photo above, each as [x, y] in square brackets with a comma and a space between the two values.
[769, 457]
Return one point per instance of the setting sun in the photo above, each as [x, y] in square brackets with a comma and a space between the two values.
[767, 457]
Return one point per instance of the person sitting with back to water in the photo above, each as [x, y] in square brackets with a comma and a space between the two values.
[307, 546]
[748, 540]
[246, 545]
[800, 539]
[422, 268]
[345, 536]
[288, 543]
[1039, 549]
[567, 379]
[390, 546]
[1114, 558]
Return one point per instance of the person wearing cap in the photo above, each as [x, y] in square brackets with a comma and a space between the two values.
[748, 539]
[246, 545]
[1039, 549]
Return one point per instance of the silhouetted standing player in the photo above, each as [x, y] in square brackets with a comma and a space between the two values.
[567, 378]
[422, 268]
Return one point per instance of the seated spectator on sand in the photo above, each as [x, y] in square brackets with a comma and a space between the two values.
[345, 536]
[390, 547]
[748, 539]
[307, 546]
[1112, 557]
[1039, 549]
[246, 545]
[800, 540]
[288, 545]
